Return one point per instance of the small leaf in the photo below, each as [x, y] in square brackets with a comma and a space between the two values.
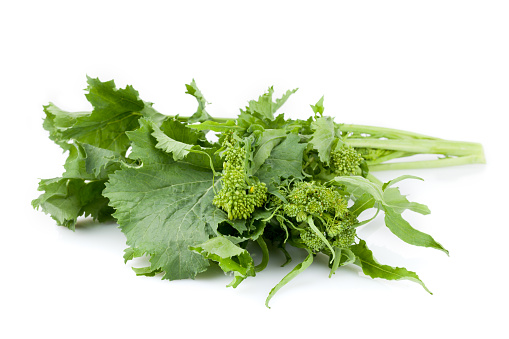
[293, 273]
[178, 149]
[200, 114]
[285, 161]
[264, 107]
[343, 257]
[66, 199]
[269, 139]
[399, 202]
[374, 269]
[323, 137]
[398, 179]
[358, 185]
[320, 235]
[402, 229]
[318, 107]
[230, 257]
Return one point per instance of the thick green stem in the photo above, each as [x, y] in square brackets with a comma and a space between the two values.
[445, 147]
[382, 132]
[374, 179]
[384, 158]
[444, 162]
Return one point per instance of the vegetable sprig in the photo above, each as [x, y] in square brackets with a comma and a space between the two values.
[184, 200]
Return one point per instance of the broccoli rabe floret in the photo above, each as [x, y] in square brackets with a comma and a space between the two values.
[345, 160]
[341, 232]
[313, 198]
[236, 197]
[328, 210]
[311, 240]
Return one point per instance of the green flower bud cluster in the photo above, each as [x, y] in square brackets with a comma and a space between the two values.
[312, 198]
[236, 197]
[311, 240]
[340, 232]
[345, 238]
[345, 160]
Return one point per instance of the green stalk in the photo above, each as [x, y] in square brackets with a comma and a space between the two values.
[444, 162]
[393, 155]
[382, 132]
[445, 147]
[265, 251]
[185, 119]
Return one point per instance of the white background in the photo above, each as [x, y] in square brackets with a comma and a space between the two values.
[435, 67]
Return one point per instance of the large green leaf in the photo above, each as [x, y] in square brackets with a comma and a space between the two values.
[115, 112]
[164, 209]
[165, 206]
[372, 268]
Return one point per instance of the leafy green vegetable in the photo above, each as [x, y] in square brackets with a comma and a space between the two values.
[185, 200]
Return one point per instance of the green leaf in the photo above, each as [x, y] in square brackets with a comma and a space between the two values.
[230, 257]
[269, 139]
[362, 203]
[144, 145]
[115, 112]
[318, 107]
[320, 235]
[342, 257]
[66, 199]
[264, 107]
[164, 209]
[402, 229]
[90, 163]
[398, 179]
[246, 121]
[358, 185]
[293, 273]
[399, 202]
[57, 121]
[178, 149]
[131, 253]
[200, 114]
[323, 137]
[217, 126]
[372, 268]
[146, 271]
[285, 161]
[172, 141]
